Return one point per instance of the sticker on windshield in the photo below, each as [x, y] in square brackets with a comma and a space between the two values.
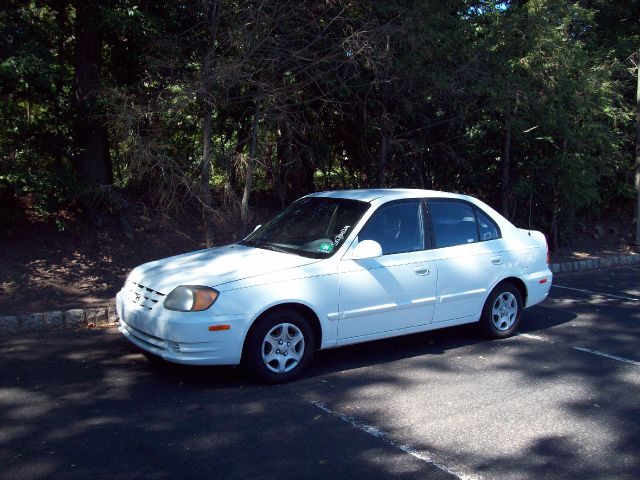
[340, 236]
[326, 247]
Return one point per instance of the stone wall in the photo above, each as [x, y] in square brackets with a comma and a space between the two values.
[58, 319]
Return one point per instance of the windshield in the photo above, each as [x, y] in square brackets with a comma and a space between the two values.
[312, 227]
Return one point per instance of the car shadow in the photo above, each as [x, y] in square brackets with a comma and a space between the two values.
[433, 343]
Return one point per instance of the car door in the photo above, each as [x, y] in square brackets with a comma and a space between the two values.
[470, 257]
[396, 290]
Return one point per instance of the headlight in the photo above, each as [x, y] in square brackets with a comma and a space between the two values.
[190, 298]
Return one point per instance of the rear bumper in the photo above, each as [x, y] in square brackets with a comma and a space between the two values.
[182, 337]
[538, 286]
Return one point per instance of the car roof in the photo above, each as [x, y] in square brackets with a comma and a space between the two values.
[368, 195]
[383, 195]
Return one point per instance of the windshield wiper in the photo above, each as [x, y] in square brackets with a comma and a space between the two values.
[270, 246]
[265, 245]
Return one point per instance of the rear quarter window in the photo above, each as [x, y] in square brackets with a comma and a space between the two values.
[487, 228]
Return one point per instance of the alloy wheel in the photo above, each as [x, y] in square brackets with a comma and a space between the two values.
[504, 311]
[283, 348]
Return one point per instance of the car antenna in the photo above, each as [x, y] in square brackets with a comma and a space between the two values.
[530, 204]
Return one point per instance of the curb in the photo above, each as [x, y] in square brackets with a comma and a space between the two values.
[59, 320]
[595, 263]
[106, 316]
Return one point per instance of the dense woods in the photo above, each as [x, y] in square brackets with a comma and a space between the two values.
[196, 107]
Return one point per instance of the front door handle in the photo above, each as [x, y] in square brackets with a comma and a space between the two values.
[422, 271]
[496, 260]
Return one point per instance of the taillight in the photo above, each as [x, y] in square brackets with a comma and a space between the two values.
[548, 254]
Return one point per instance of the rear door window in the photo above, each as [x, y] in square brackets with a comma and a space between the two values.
[452, 223]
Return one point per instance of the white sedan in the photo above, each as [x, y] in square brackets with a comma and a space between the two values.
[337, 268]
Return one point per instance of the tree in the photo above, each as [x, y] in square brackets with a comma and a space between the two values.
[196, 105]
[637, 148]
[207, 113]
[92, 162]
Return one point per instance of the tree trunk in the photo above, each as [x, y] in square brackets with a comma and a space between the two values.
[93, 163]
[232, 164]
[207, 147]
[62, 17]
[506, 162]
[383, 154]
[248, 185]
[637, 173]
[382, 160]
[553, 241]
[417, 171]
[283, 159]
[205, 175]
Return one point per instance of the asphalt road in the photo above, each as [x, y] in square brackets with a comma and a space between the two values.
[560, 400]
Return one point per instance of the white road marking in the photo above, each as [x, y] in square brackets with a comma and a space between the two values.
[376, 432]
[534, 337]
[608, 355]
[633, 299]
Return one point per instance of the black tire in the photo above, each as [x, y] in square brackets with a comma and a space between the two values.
[286, 364]
[502, 311]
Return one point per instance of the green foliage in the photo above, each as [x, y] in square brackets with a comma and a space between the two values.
[351, 94]
[34, 121]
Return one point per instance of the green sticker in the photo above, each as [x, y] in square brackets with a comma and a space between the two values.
[326, 247]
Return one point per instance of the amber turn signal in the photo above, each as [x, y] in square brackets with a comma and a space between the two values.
[203, 299]
[217, 328]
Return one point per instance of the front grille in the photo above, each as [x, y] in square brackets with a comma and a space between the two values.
[140, 295]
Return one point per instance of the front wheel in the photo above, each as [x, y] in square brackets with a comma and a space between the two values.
[502, 311]
[279, 347]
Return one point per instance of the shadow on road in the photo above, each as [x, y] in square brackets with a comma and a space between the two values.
[74, 405]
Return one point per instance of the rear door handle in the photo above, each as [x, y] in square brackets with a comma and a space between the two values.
[496, 260]
[422, 271]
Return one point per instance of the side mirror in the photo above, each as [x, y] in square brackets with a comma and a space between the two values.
[257, 227]
[367, 249]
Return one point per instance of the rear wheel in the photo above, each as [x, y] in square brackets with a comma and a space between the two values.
[279, 347]
[502, 311]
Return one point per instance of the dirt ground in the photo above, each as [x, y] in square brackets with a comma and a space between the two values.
[46, 265]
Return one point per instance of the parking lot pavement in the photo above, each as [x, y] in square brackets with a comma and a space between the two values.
[560, 400]
[606, 310]
[89, 406]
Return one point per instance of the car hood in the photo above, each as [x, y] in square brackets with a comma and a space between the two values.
[214, 267]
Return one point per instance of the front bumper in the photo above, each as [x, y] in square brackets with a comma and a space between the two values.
[182, 337]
